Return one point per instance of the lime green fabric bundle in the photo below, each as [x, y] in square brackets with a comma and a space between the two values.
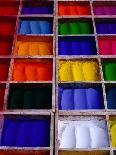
[75, 28]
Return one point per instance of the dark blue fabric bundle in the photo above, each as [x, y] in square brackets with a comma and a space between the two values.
[86, 48]
[106, 28]
[111, 98]
[112, 28]
[40, 133]
[9, 132]
[76, 48]
[37, 10]
[64, 48]
[23, 134]
[67, 99]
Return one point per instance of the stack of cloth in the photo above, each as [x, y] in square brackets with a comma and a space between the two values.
[104, 10]
[78, 70]
[83, 134]
[81, 98]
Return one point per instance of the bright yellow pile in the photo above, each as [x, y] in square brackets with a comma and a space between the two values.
[78, 70]
[33, 48]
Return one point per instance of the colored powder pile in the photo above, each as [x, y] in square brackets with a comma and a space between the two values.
[106, 46]
[78, 71]
[32, 71]
[37, 9]
[109, 70]
[33, 48]
[30, 98]
[89, 98]
[106, 27]
[83, 134]
[73, 9]
[113, 132]
[71, 46]
[25, 131]
[76, 27]
[35, 27]
[7, 28]
[111, 98]
[104, 10]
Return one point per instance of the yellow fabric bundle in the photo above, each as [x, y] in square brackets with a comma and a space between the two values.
[113, 132]
[78, 71]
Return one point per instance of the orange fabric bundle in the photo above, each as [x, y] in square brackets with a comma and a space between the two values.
[32, 71]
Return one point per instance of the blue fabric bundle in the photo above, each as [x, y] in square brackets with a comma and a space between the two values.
[25, 131]
[35, 27]
[37, 10]
[76, 46]
[111, 98]
[89, 98]
[106, 28]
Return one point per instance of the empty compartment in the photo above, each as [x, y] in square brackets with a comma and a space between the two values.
[107, 45]
[109, 69]
[6, 43]
[32, 70]
[112, 124]
[111, 96]
[25, 131]
[96, 152]
[9, 7]
[76, 46]
[35, 25]
[40, 7]
[74, 8]
[26, 45]
[30, 96]
[2, 93]
[7, 25]
[75, 26]
[105, 26]
[80, 96]
[4, 68]
[82, 132]
[78, 70]
[24, 152]
[104, 8]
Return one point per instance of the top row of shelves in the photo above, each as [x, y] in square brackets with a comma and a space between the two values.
[80, 8]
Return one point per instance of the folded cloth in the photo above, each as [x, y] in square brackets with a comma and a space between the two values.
[62, 10]
[80, 100]
[40, 133]
[42, 10]
[82, 137]
[102, 28]
[76, 48]
[112, 28]
[113, 135]
[97, 132]
[15, 100]
[109, 71]
[85, 28]
[25, 27]
[2, 93]
[67, 100]
[23, 134]
[60, 91]
[65, 48]
[107, 10]
[45, 27]
[9, 132]
[23, 49]
[68, 138]
[28, 99]
[75, 28]
[35, 27]
[94, 99]
[64, 28]
[111, 98]
[43, 99]
[30, 72]
[4, 71]
[91, 71]
[27, 10]
[105, 47]
[87, 48]
[19, 72]
[113, 47]
[83, 10]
